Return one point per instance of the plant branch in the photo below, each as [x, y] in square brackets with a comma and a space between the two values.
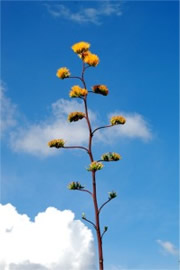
[74, 77]
[100, 128]
[82, 75]
[103, 205]
[103, 234]
[90, 222]
[89, 91]
[76, 147]
[85, 190]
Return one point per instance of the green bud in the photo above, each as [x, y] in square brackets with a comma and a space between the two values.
[112, 195]
[75, 186]
[105, 228]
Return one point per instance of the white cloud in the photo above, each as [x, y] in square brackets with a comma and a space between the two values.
[33, 138]
[86, 15]
[7, 111]
[54, 240]
[135, 127]
[168, 247]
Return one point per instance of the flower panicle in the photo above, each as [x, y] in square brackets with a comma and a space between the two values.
[95, 166]
[57, 143]
[100, 89]
[90, 58]
[80, 47]
[75, 186]
[63, 73]
[77, 91]
[117, 120]
[112, 195]
[110, 156]
[75, 116]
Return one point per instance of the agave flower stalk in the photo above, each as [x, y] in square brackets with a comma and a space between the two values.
[89, 60]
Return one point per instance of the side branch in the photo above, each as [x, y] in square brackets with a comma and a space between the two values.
[105, 230]
[76, 147]
[74, 77]
[101, 128]
[90, 222]
[85, 190]
[104, 205]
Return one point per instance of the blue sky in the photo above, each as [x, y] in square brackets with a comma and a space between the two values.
[137, 43]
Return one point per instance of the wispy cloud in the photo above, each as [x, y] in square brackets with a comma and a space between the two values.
[168, 247]
[86, 14]
[54, 240]
[8, 111]
[33, 138]
[136, 127]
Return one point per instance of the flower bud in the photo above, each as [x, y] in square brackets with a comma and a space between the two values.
[95, 166]
[57, 143]
[112, 195]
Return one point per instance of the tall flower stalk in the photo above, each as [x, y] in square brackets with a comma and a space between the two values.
[89, 60]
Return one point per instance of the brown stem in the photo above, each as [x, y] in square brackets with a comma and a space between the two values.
[98, 231]
[94, 195]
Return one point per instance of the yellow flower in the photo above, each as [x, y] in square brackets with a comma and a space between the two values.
[90, 59]
[77, 91]
[118, 119]
[100, 89]
[110, 157]
[57, 143]
[95, 166]
[80, 47]
[75, 116]
[63, 73]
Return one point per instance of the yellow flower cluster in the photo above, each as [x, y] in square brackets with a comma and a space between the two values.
[90, 59]
[95, 166]
[116, 120]
[110, 157]
[80, 47]
[63, 73]
[57, 143]
[100, 89]
[75, 116]
[77, 91]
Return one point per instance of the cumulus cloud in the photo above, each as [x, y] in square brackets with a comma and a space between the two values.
[33, 138]
[135, 127]
[7, 111]
[168, 247]
[54, 240]
[86, 15]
